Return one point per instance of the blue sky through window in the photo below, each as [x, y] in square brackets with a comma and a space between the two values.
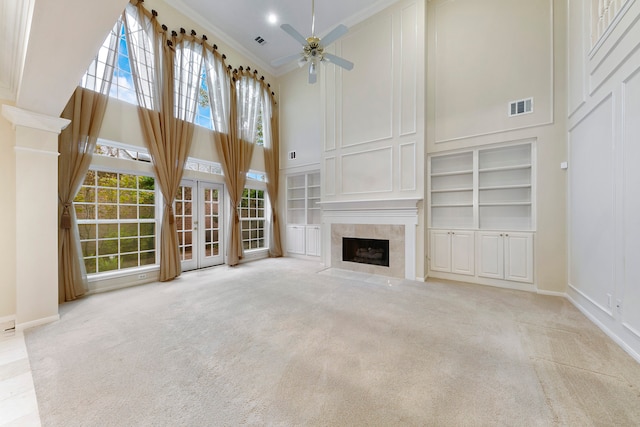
[203, 109]
[122, 86]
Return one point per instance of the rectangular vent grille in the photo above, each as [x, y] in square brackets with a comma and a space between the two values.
[522, 106]
[260, 41]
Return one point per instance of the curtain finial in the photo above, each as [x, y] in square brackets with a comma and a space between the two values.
[182, 30]
[215, 47]
[193, 33]
[154, 13]
[262, 78]
[204, 37]
[174, 34]
[164, 27]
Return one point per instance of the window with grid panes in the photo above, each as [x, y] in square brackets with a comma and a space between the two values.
[116, 215]
[252, 219]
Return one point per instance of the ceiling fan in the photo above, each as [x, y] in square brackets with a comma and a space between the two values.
[313, 48]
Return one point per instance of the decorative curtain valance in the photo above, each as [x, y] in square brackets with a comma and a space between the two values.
[166, 69]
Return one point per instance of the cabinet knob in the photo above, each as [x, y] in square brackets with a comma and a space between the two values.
[501, 234]
[506, 235]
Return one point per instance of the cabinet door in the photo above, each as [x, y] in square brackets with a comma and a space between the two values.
[313, 241]
[462, 252]
[518, 257]
[295, 239]
[491, 255]
[440, 250]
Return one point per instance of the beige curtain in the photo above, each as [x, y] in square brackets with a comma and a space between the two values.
[236, 148]
[272, 166]
[166, 74]
[76, 145]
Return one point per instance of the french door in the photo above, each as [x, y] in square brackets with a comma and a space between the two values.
[198, 213]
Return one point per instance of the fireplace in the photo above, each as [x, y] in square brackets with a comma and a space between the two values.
[392, 220]
[365, 251]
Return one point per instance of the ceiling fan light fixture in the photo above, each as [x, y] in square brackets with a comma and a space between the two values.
[313, 48]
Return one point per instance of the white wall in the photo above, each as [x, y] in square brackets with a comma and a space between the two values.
[7, 219]
[374, 133]
[604, 178]
[483, 55]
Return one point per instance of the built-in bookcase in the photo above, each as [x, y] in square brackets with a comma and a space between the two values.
[488, 189]
[303, 196]
[303, 214]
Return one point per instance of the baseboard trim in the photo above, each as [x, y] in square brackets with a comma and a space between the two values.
[37, 322]
[604, 328]
[551, 293]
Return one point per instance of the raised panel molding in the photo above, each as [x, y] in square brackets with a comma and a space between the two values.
[462, 110]
[330, 176]
[366, 92]
[408, 70]
[631, 202]
[407, 166]
[592, 248]
[367, 171]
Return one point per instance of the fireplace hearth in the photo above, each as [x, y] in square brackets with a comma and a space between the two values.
[365, 251]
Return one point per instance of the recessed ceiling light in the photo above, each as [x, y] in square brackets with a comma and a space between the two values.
[272, 18]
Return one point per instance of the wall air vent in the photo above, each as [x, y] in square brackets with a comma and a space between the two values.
[260, 41]
[522, 106]
[292, 155]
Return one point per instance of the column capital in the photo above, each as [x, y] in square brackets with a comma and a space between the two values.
[19, 117]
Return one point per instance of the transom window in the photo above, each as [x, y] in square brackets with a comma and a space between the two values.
[117, 221]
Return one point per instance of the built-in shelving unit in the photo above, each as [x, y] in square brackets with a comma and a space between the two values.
[482, 189]
[482, 213]
[303, 213]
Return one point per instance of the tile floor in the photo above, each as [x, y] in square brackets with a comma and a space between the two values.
[18, 405]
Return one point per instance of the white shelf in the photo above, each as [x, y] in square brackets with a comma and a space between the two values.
[462, 172]
[505, 168]
[452, 190]
[503, 187]
[506, 204]
[453, 205]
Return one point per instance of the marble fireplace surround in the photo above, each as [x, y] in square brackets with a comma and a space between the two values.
[394, 220]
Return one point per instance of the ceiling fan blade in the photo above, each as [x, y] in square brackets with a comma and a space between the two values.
[285, 59]
[341, 62]
[294, 33]
[334, 35]
[313, 75]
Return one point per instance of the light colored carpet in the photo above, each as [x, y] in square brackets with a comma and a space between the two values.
[277, 342]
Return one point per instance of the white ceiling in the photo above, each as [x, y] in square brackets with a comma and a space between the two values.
[28, 72]
[239, 22]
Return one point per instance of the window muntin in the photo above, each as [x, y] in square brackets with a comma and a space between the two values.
[252, 219]
[116, 215]
[183, 212]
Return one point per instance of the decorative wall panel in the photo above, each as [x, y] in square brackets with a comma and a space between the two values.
[368, 171]
[592, 216]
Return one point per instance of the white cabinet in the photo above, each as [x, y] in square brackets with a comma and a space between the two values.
[303, 214]
[313, 240]
[507, 256]
[452, 251]
[295, 239]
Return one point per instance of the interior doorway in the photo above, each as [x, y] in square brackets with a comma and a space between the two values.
[198, 213]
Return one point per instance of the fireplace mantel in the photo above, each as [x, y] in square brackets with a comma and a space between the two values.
[371, 205]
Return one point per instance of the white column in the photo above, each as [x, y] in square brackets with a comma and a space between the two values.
[36, 157]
